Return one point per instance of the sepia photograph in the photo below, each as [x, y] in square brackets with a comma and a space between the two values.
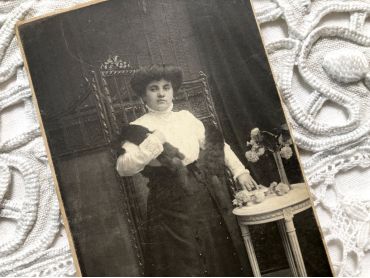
[168, 141]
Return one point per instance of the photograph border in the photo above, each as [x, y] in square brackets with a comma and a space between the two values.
[46, 144]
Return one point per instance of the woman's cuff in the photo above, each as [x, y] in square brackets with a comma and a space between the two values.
[240, 172]
[151, 146]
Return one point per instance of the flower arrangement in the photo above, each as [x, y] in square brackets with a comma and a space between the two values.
[248, 198]
[279, 144]
[262, 140]
[279, 188]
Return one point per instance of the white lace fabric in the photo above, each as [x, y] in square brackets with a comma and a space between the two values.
[322, 69]
[30, 225]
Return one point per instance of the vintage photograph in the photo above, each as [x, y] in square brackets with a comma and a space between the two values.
[171, 151]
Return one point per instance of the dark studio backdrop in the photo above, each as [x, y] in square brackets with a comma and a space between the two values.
[217, 37]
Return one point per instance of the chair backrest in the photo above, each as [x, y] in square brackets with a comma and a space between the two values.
[194, 95]
[93, 119]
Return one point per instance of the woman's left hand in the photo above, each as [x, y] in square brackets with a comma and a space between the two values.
[247, 182]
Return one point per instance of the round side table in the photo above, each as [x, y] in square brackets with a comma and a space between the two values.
[281, 209]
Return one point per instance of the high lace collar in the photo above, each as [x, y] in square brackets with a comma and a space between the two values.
[160, 113]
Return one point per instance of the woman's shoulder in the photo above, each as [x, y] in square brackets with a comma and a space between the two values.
[190, 118]
[186, 113]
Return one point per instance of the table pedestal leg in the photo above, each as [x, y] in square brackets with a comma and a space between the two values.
[294, 245]
[250, 250]
[288, 250]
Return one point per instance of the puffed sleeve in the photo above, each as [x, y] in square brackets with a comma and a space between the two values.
[197, 126]
[137, 157]
[233, 163]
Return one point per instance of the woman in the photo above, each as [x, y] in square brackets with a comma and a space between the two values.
[191, 230]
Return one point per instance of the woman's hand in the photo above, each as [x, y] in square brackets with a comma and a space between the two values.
[247, 182]
[159, 135]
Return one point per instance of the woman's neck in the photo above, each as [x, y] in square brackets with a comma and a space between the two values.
[167, 111]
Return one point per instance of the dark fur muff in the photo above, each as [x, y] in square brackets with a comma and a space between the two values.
[170, 157]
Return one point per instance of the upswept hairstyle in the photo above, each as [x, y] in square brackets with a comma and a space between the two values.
[144, 75]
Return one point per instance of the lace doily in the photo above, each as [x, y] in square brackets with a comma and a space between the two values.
[321, 60]
[319, 52]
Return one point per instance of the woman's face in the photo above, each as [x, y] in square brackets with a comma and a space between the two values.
[159, 95]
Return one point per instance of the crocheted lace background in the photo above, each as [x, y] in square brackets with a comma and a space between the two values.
[319, 52]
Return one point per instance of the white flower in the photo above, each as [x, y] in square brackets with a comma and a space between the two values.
[252, 143]
[281, 189]
[286, 152]
[255, 132]
[242, 198]
[254, 148]
[261, 151]
[252, 156]
[259, 197]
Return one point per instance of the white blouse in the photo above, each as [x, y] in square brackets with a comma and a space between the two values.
[181, 129]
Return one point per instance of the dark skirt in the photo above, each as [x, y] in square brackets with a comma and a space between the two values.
[186, 232]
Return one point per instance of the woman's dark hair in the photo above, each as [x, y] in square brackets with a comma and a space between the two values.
[144, 75]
